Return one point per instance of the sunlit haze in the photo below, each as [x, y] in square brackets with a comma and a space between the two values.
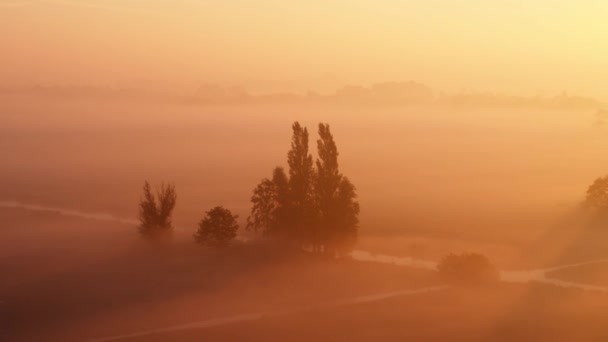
[264, 170]
[519, 47]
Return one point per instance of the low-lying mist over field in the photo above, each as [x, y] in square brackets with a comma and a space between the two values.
[303, 170]
[408, 162]
[431, 180]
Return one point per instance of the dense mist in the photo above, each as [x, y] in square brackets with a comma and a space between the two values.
[420, 163]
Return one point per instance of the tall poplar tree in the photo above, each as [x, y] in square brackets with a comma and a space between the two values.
[335, 198]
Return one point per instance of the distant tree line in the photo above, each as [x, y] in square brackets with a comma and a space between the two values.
[312, 205]
[378, 94]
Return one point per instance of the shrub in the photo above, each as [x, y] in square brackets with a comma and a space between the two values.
[467, 269]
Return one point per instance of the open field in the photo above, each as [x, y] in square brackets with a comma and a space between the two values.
[505, 313]
[65, 286]
[303, 170]
[73, 279]
[498, 174]
[85, 275]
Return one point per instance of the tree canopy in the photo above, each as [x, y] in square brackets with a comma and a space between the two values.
[597, 194]
[217, 228]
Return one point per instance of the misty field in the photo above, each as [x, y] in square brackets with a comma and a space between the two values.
[86, 280]
[414, 166]
[431, 180]
[303, 170]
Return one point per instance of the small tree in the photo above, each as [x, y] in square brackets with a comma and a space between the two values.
[597, 195]
[270, 205]
[217, 228]
[264, 205]
[155, 212]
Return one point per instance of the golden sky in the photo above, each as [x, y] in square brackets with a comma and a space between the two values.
[515, 46]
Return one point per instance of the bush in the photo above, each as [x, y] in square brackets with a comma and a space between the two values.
[467, 269]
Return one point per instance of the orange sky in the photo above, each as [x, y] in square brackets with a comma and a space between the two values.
[521, 47]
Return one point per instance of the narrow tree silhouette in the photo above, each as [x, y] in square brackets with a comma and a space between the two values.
[155, 212]
[218, 228]
[335, 199]
[300, 208]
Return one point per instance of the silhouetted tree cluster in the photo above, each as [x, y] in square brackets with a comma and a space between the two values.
[155, 212]
[467, 269]
[217, 228]
[314, 205]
